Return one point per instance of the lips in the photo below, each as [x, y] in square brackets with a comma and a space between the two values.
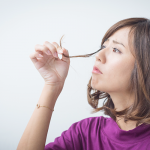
[96, 69]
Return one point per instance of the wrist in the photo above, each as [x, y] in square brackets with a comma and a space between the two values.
[49, 95]
[55, 90]
[56, 86]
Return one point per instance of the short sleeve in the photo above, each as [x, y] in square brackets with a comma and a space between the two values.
[72, 139]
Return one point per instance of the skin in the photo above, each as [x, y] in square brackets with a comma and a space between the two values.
[116, 67]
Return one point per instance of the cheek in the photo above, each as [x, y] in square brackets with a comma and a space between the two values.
[118, 76]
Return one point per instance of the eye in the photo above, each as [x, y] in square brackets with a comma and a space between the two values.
[116, 49]
[102, 47]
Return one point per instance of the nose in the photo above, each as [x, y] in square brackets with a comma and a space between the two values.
[101, 55]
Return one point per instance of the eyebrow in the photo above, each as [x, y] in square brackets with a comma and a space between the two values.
[116, 42]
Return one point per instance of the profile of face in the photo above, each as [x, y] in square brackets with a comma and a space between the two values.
[116, 63]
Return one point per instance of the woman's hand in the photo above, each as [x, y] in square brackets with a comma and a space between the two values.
[53, 70]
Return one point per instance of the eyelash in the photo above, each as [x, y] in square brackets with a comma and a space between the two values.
[113, 48]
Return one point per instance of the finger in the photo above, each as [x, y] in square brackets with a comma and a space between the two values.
[35, 56]
[52, 48]
[61, 51]
[43, 49]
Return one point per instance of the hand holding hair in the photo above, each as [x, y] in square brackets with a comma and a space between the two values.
[45, 58]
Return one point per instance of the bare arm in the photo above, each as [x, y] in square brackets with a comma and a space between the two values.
[54, 72]
[34, 136]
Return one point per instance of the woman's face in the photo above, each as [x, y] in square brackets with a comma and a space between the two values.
[116, 62]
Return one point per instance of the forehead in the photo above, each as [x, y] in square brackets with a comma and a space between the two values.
[121, 36]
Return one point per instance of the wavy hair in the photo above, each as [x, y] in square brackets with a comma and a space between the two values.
[139, 44]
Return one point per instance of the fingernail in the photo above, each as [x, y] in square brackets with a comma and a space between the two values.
[48, 52]
[56, 55]
[59, 56]
[40, 55]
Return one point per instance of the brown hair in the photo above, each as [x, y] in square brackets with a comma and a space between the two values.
[139, 43]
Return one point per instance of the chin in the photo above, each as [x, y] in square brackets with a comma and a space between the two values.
[93, 84]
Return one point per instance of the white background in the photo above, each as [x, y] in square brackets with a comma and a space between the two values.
[23, 24]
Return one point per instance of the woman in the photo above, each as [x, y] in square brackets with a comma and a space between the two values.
[120, 74]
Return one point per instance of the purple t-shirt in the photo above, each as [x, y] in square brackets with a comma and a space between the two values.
[101, 133]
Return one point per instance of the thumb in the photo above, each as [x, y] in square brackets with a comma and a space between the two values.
[66, 53]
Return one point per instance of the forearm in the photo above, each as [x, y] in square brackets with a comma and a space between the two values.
[34, 136]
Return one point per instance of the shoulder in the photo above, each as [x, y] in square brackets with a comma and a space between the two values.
[94, 120]
[90, 123]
